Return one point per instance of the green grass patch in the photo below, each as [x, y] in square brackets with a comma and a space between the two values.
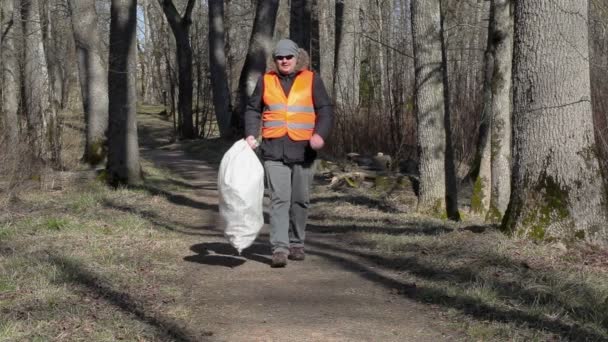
[54, 223]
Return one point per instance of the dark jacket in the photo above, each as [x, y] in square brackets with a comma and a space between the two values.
[285, 149]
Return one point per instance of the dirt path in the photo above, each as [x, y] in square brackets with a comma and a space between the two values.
[331, 296]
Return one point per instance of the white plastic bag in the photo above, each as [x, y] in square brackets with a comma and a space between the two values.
[241, 187]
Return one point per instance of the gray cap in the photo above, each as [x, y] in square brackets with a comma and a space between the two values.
[285, 47]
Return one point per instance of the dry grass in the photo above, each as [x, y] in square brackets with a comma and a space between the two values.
[88, 263]
[499, 288]
[79, 261]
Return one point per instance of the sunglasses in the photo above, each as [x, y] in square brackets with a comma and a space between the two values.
[280, 58]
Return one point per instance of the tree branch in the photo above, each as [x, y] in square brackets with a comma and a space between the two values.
[188, 14]
[171, 13]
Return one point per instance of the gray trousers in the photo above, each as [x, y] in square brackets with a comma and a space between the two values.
[289, 186]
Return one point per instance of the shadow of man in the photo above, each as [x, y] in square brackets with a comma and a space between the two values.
[222, 254]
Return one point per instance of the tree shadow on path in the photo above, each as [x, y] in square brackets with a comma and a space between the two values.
[223, 254]
[381, 270]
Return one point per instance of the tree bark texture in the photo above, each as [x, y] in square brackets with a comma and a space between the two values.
[347, 63]
[40, 116]
[123, 148]
[299, 24]
[557, 190]
[93, 79]
[217, 65]
[260, 47]
[281, 29]
[181, 31]
[11, 78]
[482, 167]
[451, 180]
[326, 14]
[502, 37]
[430, 115]
[51, 41]
[598, 32]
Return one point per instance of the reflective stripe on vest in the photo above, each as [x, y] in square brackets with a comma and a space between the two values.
[292, 115]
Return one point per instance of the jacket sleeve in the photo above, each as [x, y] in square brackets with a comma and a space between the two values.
[323, 108]
[253, 112]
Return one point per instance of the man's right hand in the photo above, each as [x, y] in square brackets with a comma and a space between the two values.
[251, 142]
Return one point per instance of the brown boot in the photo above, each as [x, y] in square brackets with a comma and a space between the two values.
[279, 259]
[297, 253]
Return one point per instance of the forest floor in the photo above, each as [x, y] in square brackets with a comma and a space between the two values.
[80, 261]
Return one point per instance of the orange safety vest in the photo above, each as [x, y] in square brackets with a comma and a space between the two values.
[293, 115]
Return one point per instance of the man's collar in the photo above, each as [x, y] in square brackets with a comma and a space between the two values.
[290, 75]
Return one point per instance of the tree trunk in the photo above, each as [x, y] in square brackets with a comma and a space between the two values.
[123, 150]
[148, 57]
[426, 31]
[281, 29]
[50, 38]
[299, 24]
[481, 172]
[501, 109]
[93, 79]
[181, 28]
[11, 92]
[382, 10]
[347, 63]
[260, 46]
[40, 116]
[451, 180]
[326, 14]
[217, 65]
[557, 187]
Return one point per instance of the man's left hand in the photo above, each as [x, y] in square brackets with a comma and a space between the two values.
[316, 142]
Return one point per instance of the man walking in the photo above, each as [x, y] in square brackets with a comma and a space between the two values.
[291, 107]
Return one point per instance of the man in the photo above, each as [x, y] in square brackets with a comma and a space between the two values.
[291, 107]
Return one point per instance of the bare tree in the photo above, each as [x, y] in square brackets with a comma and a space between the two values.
[217, 65]
[51, 37]
[42, 118]
[93, 79]
[451, 180]
[123, 148]
[299, 24]
[326, 17]
[11, 91]
[482, 171]
[557, 186]
[348, 63]
[281, 29]
[430, 106]
[180, 25]
[501, 109]
[260, 45]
